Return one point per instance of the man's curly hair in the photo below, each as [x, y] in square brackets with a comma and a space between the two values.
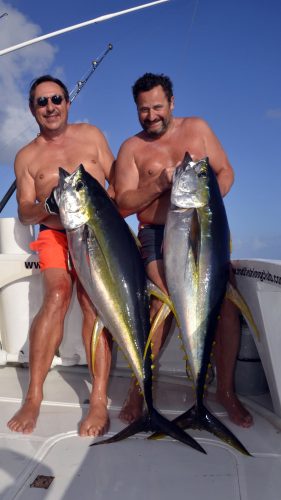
[150, 80]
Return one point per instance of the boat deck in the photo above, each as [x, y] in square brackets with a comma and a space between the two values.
[135, 469]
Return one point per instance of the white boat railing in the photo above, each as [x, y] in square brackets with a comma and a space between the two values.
[259, 282]
[21, 296]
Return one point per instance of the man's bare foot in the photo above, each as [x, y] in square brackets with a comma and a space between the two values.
[25, 419]
[96, 422]
[237, 413]
[133, 405]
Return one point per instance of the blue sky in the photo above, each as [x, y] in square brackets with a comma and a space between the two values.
[224, 60]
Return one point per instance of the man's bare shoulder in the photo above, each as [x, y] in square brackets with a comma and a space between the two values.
[132, 143]
[26, 151]
[81, 126]
[84, 128]
[192, 122]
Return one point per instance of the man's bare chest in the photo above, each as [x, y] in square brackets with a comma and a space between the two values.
[44, 167]
[154, 156]
[153, 160]
[48, 160]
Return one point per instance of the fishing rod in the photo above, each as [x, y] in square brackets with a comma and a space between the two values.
[72, 95]
[7, 196]
[81, 83]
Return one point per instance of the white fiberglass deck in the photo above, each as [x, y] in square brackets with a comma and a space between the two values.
[134, 469]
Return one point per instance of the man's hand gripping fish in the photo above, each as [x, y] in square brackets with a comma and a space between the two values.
[108, 263]
[196, 260]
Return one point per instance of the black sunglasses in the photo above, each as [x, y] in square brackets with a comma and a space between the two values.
[43, 101]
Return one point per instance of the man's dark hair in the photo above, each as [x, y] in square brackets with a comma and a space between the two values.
[46, 78]
[149, 80]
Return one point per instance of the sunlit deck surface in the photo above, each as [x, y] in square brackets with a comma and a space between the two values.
[135, 468]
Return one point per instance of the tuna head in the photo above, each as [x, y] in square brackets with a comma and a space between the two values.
[190, 186]
[74, 198]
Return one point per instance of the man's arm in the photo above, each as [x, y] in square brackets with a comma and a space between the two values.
[106, 159]
[130, 197]
[217, 158]
[29, 211]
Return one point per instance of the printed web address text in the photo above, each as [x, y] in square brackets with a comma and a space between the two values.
[259, 275]
[32, 265]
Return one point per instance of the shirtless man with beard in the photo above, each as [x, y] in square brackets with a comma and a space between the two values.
[58, 144]
[143, 179]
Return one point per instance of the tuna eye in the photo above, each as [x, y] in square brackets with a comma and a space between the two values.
[202, 174]
[79, 186]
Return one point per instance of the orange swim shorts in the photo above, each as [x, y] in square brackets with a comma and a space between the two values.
[52, 248]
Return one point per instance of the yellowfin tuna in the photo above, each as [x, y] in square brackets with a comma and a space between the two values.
[109, 266]
[196, 260]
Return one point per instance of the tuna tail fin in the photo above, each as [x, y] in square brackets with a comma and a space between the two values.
[202, 419]
[162, 424]
[155, 422]
[140, 425]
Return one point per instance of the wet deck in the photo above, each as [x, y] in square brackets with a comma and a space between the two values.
[134, 469]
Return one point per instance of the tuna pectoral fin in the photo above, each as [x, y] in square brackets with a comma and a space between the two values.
[162, 314]
[98, 327]
[153, 422]
[160, 295]
[202, 419]
[237, 299]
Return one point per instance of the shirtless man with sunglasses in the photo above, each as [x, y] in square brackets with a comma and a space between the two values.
[58, 144]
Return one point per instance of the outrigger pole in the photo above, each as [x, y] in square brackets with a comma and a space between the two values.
[77, 26]
[73, 93]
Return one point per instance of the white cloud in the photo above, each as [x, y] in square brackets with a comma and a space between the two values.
[16, 71]
[259, 244]
[257, 247]
[274, 113]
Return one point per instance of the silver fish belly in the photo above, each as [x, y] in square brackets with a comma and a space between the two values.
[196, 260]
[108, 263]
